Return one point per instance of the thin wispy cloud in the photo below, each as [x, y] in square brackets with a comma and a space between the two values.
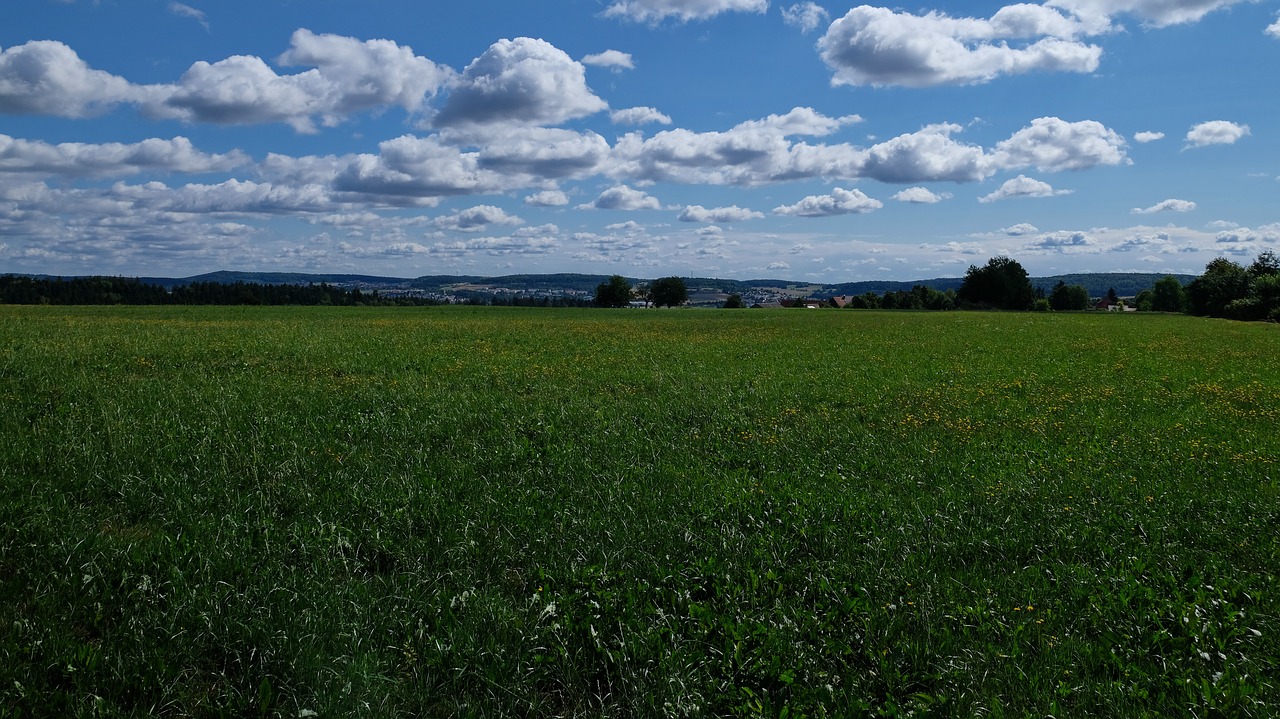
[187, 11]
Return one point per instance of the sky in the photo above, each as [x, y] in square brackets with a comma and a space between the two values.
[819, 142]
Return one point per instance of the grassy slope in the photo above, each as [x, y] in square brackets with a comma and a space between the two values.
[385, 512]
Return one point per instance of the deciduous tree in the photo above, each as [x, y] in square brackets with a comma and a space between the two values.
[1065, 297]
[1168, 296]
[668, 292]
[1002, 283]
[614, 292]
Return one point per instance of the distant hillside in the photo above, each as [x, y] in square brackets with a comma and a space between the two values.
[1126, 284]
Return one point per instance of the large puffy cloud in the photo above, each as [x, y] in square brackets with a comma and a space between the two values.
[839, 202]
[244, 90]
[111, 159]
[529, 155]
[878, 46]
[753, 152]
[521, 81]
[1051, 144]
[1022, 186]
[417, 170]
[928, 155]
[654, 11]
[348, 76]
[47, 77]
[1216, 132]
[368, 74]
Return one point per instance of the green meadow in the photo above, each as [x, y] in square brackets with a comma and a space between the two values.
[332, 512]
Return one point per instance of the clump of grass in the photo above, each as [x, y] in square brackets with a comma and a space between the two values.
[275, 512]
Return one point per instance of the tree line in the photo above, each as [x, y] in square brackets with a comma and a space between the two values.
[1226, 289]
[22, 290]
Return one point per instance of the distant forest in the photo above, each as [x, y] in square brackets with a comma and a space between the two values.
[21, 290]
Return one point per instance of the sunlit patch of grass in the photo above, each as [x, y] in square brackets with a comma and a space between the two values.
[280, 511]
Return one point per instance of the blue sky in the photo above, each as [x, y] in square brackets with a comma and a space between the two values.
[810, 141]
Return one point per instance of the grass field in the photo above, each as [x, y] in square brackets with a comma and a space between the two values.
[467, 511]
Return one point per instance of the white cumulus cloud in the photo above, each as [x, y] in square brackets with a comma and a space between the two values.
[621, 197]
[1023, 186]
[520, 82]
[47, 77]
[1020, 230]
[930, 155]
[655, 11]
[839, 202]
[347, 76]
[1052, 144]
[547, 198]
[1145, 137]
[1170, 205]
[806, 15]
[698, 213]
[615, 60]
[1215, 132]
[638, 116]
[879, 46]
[1060, 241]
[476, 218]
[73, 159]
[921, 196]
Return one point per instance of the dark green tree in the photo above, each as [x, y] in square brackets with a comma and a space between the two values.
[1168, 296]
[1266, 264]
[668, 292]
[734, 302]
[1222, 283]
[1002, 283]
[614, 292]
[1144, 301]
[1266, 290]
[1065, 297]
